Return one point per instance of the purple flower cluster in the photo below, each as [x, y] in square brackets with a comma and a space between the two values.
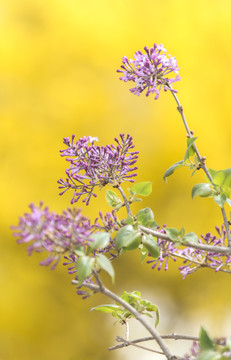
[194, 259]
[150, 70]
[223, 352]
[194, 352]
[94, 166]
[109, 221]
[51, 232]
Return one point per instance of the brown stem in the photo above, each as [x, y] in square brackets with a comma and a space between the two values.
[133, 343]
[209, 248]
[201, 159]
[102, 289]
[126, 202]
[171, 337]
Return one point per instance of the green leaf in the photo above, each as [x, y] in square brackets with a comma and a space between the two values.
[145, 217]
[222, 178]
[220, 199]
[190, 237]
[127, 238]
[151, 307]
[155, 308]
[211, 355]
[104, 263]
[206, 343]
[150, 244]
[80, 251]
[132, 197]
[110, 308]
[182, 232]
[172, 233]
[142, 188]
[172, 168]
[84, 266]
[143, 252]
[190, 148]
[228, 201]
[203, 190]
[129, 220]
[131, 297]
[113, 199]
[100, 240]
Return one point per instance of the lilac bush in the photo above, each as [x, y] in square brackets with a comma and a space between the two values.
[90, 248]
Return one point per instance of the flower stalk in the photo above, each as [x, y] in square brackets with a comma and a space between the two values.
[201, 160]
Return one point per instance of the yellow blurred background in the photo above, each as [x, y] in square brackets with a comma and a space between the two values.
[58, 62]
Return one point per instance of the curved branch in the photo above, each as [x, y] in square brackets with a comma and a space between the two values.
[209, 248]
[126, 202]
[102, 289]
[170, 337]
[201, 159]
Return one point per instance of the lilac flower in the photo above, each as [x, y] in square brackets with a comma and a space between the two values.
[94, 166]
[109, 221]
[194, 352]
[150, 70]
[57, 234]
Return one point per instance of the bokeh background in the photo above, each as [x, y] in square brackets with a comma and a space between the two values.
[58, 62]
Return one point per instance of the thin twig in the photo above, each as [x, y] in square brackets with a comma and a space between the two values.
[208, 248]
[169, 337]
[226, 226]
[127, 330]
[98, 279]
[133, 311]
[199, 263]
[127, 343]
[201, 159]
[125, 200]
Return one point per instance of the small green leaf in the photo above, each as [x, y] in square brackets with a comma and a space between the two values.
[100, 240]
[190, 237]
[106, 308]
[127, 238]
[80, 251]
[155, 308]
[228, 201]
[113, 199]
[132, 197]
[172, 233]
[145, 217]
[203, 190]
[143, 252]
[150, 244]
[129, 220]
[134, 242]
[130, 297]
[172, 168]
[220, 200]
[104, 263]
[211, 355]
[190, 148]
[142, 188]
[182, 232]
[222, 178]
[84, 266]
[206, 343]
